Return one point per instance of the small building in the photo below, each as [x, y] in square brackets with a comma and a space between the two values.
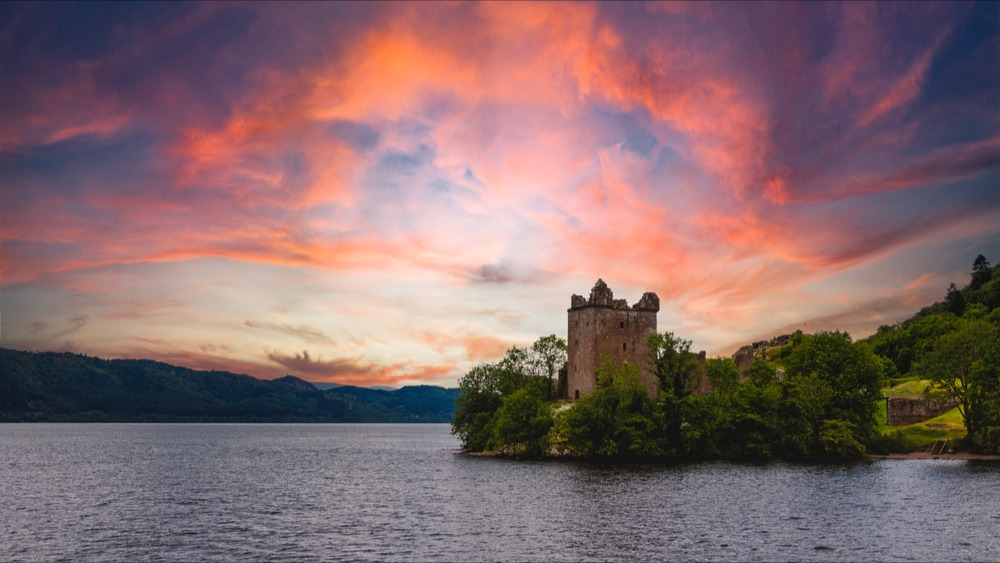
[604, 326]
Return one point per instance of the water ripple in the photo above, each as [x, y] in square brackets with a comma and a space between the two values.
[402, 493]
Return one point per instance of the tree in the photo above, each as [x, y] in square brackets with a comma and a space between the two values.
[749, 429]
[487, 388]
[955, 300]
[964, 366]
[522, 424]
[617, 419]
[478, 400]
[722, 374]
[674, 366]
[761, 373]
[853, 373]
[838, 439]
[981, 272]
[673, 362]
[798, 412]
[548, 355]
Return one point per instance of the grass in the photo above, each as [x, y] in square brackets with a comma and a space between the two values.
[912, 388]
[947, 425]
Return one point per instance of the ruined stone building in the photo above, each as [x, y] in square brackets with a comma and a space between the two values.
[604, 326]
[747, 355]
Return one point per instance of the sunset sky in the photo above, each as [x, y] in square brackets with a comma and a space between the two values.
[388, 194]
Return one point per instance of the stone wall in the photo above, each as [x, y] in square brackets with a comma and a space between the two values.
[747, 355]
[901, 411]
[604, 326]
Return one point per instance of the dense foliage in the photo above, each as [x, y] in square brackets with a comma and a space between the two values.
[74, 388]
[823, 405]
[497, 400]
[617, 419]
[818, 396]
[955, 344]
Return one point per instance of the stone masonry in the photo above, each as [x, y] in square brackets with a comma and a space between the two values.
[747, 355]
[902, 411]
[604, 326]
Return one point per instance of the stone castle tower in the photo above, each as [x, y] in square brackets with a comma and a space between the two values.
[605, 326]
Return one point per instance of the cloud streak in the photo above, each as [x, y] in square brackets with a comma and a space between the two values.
[375, 183]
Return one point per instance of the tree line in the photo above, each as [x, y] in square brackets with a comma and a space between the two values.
[816, 397]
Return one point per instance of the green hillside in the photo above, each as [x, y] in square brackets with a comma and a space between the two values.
[950, 351]
[63, 387]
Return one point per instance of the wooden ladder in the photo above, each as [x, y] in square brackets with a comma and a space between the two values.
[938, 447]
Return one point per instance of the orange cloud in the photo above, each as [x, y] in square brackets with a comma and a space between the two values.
[475, 347]
[352, 371]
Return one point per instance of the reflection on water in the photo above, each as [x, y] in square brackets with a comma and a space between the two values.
[404, 493]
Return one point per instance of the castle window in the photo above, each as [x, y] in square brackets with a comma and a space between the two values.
[577, 394]
[624, 346]
[621, 324]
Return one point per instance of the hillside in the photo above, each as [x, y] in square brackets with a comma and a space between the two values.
[64, 387]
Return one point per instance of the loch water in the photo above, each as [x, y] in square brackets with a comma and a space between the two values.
[381, 492]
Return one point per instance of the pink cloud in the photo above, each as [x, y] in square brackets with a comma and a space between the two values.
[782, 145]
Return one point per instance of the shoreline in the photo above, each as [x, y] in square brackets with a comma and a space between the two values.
[928, 455]
[962, 456]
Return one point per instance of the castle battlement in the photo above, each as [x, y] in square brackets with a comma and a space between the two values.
[602, 296]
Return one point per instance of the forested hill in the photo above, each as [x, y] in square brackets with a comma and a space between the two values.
[63, 387]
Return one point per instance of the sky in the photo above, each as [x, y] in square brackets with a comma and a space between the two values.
[390, 193]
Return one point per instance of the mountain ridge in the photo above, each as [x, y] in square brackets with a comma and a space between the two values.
[67, 387]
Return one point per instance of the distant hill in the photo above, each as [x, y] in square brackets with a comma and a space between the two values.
[64, 387]
[323, 385]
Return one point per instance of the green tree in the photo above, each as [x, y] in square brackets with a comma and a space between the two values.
[963, 366]
[478, 400]
[722, 374]
[981, 272]
[955, 301]
[761, 373]
[701, 429]
[839, 439]
[673, 362]
[548, 356]
[853, 373]
[799, 407]
[513, 370]
[674, 366]
[894, 343]
[487, 387]
[617, 419]
[522, 424]
[748, 430]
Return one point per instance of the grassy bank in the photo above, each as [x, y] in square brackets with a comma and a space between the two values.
[948, 425]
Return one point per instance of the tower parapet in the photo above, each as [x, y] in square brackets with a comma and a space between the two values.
[602, 296]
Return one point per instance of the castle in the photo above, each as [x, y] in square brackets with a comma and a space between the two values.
[604, 326]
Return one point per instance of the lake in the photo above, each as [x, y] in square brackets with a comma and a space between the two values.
[214, 492]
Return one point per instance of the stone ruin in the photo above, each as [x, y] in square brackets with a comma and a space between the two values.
[747, 355]
[603, 326]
